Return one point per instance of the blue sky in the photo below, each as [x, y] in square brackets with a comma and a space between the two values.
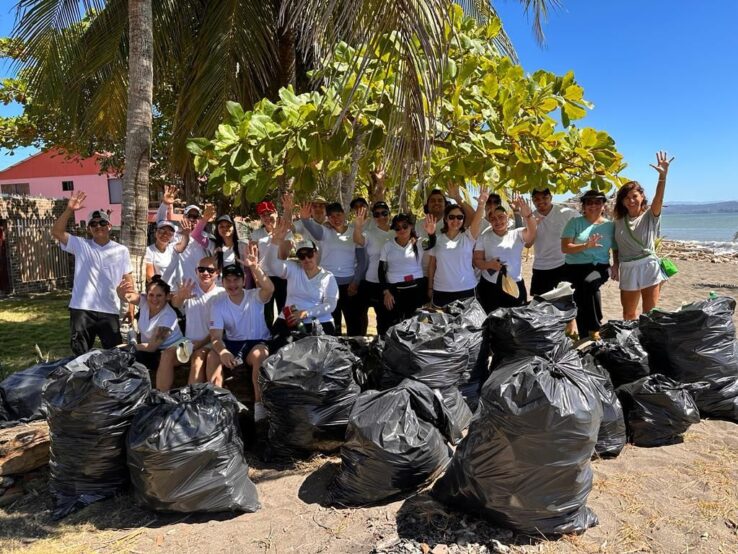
[662, 75]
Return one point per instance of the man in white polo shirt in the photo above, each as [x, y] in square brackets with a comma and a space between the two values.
[548, 262]
[238, 330]
[100, 265]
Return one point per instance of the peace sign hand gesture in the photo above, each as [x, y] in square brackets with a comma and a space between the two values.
[251, 260]
[662, 164]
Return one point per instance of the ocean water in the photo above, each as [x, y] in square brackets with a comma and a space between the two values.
[715, 231]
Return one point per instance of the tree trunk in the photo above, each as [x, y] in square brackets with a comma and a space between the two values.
[138, 132]
[285, 46]
[348, 183]
[24, 448]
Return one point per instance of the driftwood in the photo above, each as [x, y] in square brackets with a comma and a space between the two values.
[24, 447]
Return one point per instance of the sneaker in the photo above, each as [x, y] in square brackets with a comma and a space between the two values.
[184, 351]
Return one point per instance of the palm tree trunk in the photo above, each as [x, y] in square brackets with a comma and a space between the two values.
[138, 132]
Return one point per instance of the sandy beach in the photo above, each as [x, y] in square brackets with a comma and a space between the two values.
[677, 498]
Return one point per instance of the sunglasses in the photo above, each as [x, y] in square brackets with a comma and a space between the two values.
[381, 213]
[210, 270]
[305, 254]
[459, 217]
[402, 227]
[94, 224]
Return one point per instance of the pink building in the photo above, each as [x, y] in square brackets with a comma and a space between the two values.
[53, 175]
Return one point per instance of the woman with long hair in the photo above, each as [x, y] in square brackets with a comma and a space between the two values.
[400, 270]
[450, 271]
[499, 252]
[587, 241]
[636, 229]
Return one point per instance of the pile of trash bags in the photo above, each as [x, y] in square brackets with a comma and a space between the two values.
[21, 393]
[525, 462]
[396, 442]
[612, 436]
[696, 345]
[90, 403]
[621, 353]
[308, 390]
[658, 410]
[185, 452]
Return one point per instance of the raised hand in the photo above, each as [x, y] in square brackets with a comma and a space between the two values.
[288, 202]
[662, 164]
[305, 210]
[185, 226]
[522, 206]
[170, 194]
[76, 201]
[186, 289]
[454, 192]
[360, 217]
[483, 196]
[209, 213]
[594, 241]
[281, 228]
[124, 290]
[429, 225]
[251, 259]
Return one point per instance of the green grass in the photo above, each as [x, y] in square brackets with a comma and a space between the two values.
[40, 319]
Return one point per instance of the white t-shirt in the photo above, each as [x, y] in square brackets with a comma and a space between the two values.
[147, 325]
[190, 259]
[302, 230]
[454, 269]
[244, 321]
[401, 261]
[197, 310]
[374, 241]
[337, 252]
[547, 248]
[263, 239]
[420, 231]
[97, 272]
[165, 263]
[508, 248]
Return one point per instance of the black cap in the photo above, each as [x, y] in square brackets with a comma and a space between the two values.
[232, 269]
[333, 208]
[380, 206]
[540, 191]
[592, 194]
[224, 218]
[358, 200]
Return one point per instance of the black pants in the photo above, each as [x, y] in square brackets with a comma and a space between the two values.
[441, 298]
[544, 280]
[350, 308]
[279, 297]
[587, 280]
[85, 325]
[372, 294]
[491, 296]
[409, 296]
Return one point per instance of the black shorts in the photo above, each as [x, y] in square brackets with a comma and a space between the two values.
[545, 280]
[243, 347]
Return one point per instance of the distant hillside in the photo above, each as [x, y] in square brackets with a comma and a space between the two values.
[701, 208]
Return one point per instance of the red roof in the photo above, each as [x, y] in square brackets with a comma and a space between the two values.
[52, 163]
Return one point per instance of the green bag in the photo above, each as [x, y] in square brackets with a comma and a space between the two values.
[668, 267]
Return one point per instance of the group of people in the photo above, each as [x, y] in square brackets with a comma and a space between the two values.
[210, 299]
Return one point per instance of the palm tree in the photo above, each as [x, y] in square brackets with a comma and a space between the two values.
[206, 52]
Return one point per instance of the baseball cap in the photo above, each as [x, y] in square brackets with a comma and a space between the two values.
[319, 200]
[305, 244]
[358, 200]
[264, 207]
[380, 206]
[99, 214]
[224, 218]
[232, 269]
[191, 207]
[590, 194]
[165, 223]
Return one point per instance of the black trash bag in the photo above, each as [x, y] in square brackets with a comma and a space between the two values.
[471, 316]
[657, 410]
[308, 390]
[368, 372]
[717, 398]
[459, 413]
[395, 443]
[621, 353]
[90, 403]
[695, 343]
[534, 330]
[428, 347]
[525, 462]
[612, 436]
[21, 392]
[185, 453]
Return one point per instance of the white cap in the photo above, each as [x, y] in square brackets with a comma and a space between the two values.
[305, 244]
[192, 207]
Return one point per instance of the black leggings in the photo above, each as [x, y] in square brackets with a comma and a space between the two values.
[372, 294]
[442, 298]
[409, 296]
[279, 297]
[587, 280]
[491, 296]
[351, 309]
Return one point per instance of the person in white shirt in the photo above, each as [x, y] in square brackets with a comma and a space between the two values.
[238, 330]
[549, 268]
[317, 214]
[195, 299]
[450, 270]
[162, 257]
[100, 264]
[312, 292]
[434, 205]
[498, 253]
[158, 327]
[340, 256]
[400, 271]
[373, 239]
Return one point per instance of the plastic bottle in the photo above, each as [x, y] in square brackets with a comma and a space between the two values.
[317, 328]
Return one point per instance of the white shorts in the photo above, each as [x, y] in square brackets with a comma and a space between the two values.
[640, 274]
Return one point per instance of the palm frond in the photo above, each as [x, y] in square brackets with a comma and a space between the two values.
[539, 9]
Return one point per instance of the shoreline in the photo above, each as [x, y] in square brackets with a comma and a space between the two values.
[693, 250]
